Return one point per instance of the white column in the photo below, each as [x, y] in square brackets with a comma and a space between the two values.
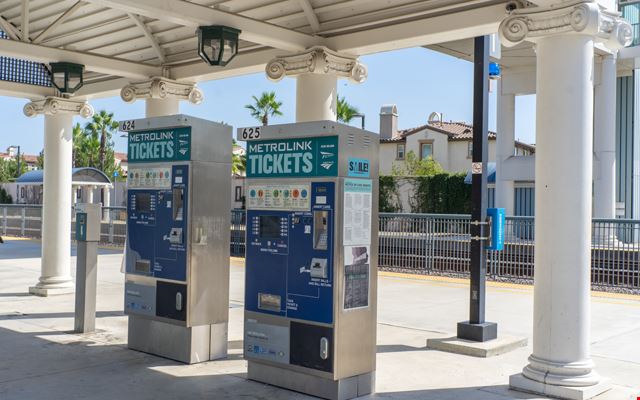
[317, 70]
[106, 196]
[561, 365]
[74, 194]
[604, 185]
[89, 194]
[55, 275]
[505, 148]
[159, 107]
[316, 97]
[162, 95]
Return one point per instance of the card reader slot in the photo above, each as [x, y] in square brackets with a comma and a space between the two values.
[269, 302]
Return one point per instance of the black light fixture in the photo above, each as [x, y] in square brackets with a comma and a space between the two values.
[67, 77]
[217, 44]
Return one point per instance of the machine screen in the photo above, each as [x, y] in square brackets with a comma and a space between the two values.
[269, 227]
[143, 202]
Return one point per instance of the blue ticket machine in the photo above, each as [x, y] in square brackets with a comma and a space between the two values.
[311, 260]
[177, 255]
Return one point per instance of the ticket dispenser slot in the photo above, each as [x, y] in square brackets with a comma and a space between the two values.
[320, 229]
[178, 204]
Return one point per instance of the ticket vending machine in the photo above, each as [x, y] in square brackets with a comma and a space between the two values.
[178, 218]
[311, 260]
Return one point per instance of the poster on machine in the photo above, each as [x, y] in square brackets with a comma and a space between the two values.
[357, 242]
[356, 277]
[357, 212]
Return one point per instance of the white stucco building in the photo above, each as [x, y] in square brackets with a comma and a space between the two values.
[448, 143]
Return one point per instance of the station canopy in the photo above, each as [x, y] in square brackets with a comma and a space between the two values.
[84, 176]
[120, 41]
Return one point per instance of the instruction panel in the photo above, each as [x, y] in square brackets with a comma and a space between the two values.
[357, 212]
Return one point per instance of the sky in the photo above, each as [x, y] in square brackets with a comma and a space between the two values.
[417, 80]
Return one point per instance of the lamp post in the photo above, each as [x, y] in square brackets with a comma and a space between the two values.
[477, 328]
[361, 116]
[217, 44]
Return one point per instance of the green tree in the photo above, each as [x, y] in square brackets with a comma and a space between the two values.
[102, 127]
[413, 166]
[9, 168]
[5, 198]
[40, 161]
[238, 161]
[264, 107]
[345, 111]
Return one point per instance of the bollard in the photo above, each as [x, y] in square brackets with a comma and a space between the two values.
[88, 218]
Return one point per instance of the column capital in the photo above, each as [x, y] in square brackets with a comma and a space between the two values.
[584, 17]
[317, 60]
[162, 88]
[58, 105]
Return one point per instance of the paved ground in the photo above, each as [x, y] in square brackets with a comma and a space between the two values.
[40, 359]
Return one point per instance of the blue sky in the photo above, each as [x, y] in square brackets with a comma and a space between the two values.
[418, 80]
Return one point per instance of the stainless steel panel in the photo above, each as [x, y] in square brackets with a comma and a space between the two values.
[341, 389]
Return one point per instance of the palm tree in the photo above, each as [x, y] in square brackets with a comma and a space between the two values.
[345, 111]
[78, 144]
[102, 126]
[264, 107]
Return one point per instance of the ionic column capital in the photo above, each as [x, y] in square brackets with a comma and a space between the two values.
[58, 105]
[317, 60]
[162, 88]
[584, 17]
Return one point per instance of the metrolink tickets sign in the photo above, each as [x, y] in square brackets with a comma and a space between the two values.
[317, 156]
[171, 144]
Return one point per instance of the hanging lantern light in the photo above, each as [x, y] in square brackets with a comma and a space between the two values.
[67, 77]
[217, 45]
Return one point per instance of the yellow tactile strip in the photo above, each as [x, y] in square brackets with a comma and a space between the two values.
[503, 285]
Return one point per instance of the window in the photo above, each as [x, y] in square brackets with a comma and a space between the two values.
[400, 152]
[22, 192]
[238, 193]
[470, 149]
[426, 151]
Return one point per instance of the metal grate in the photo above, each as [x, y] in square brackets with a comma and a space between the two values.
[23, 71]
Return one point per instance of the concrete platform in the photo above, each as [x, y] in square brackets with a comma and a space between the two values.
[503, 344]
[41, 358]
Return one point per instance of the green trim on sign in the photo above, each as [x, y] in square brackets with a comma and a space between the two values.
[171, 144]
[314, 156]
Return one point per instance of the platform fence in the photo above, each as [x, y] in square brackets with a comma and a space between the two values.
[417, 243]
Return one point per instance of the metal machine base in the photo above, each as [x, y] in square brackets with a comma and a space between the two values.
[477, 332]
[187, 345]
[343, 389]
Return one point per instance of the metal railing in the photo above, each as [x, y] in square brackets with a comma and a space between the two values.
[419, 243]
[439, 244]
[26, 221]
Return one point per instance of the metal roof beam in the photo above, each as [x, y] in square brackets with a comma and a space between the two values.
[244, 63]
[55, 24]
[149, 35]
[310, 14]
[9, 29]
[25, 20]
[191, 14]
[92, 62]
[444, 28]
[24, 91]
[101, 89]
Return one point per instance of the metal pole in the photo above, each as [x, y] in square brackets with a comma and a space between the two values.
[477, 329]
[19, 165]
